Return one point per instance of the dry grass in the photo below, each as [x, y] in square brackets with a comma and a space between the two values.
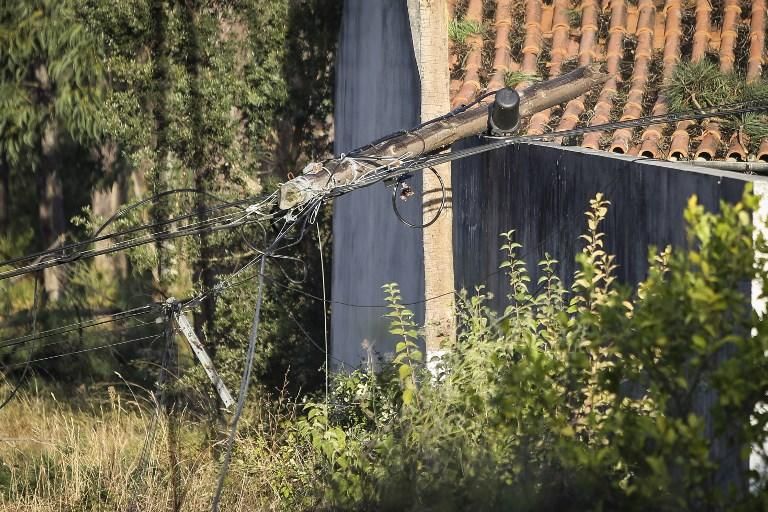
[56, 457]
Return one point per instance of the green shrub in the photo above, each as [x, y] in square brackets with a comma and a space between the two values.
[595, 397]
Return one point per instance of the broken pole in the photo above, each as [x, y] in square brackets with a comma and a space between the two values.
[197, 348]
[436, 136]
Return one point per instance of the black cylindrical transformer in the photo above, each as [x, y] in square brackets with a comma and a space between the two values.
[504, 115]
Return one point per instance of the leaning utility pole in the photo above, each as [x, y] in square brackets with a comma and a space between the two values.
[433, 137]
[498, 112]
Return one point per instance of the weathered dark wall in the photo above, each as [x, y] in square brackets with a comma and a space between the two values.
[542, 192]
[377, 92]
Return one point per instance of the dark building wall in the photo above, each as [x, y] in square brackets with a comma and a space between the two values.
[539, 190]
[377, 92]
[542, 192]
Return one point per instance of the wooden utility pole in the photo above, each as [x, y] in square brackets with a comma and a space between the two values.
[436, 136]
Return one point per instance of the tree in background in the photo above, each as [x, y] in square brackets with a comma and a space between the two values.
[51, 93]
[220, 97]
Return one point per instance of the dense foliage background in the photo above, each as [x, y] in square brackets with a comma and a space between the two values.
[106, 103]
[595, 397]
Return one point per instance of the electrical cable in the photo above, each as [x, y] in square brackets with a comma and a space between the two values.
[395, 197]
[150, 237]
[290, 222]
[154, 199]
[569, 223]
[244, 384]
[19, 340]
[325, 313]
[111, 333]
[90, 349]
[128, 244]
[142, 227]
[309, 338]
[123, 315]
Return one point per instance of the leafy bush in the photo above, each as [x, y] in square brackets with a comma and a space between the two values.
[592, 397]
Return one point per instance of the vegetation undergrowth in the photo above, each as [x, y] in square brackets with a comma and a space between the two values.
[593, 396]
[102, 451]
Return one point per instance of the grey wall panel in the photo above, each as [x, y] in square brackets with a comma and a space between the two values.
[377, 92]
[543, 191]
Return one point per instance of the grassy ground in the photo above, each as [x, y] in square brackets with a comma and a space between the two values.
[59, 456]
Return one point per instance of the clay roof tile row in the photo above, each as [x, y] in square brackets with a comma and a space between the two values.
[639, 43]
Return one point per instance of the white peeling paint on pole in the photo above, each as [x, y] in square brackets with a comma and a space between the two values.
[194, 342]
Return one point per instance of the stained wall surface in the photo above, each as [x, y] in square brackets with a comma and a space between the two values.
[542, 192]
[377, 92]
[539, 190]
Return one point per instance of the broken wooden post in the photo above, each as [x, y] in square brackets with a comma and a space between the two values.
[435, 136]
[194, 343]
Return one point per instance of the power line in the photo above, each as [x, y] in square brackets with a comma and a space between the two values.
[244, 382]
[128, 244]
[154, 198]
[154, 307]
[111, 333]
[90, 349]
[19, 340]
[63, 249]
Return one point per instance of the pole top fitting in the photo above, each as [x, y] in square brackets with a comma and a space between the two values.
[504, 113]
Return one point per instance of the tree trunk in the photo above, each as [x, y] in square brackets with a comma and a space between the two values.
[50, 207]
[439, 318]
[164, 273]
[5, 182]
[104, 203]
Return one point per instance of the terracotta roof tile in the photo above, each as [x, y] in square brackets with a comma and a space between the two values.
[640, 42]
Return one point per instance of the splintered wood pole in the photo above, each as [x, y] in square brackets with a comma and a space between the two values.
[438, 135]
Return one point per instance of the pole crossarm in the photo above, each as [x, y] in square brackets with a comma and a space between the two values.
[431, 137]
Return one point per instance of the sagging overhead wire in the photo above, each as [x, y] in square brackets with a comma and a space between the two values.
[89, 349]
[256, 212]
[225, 284]
[299, 217]
[78, 326]
[305, 214]
[63, 249]
[156, 197]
